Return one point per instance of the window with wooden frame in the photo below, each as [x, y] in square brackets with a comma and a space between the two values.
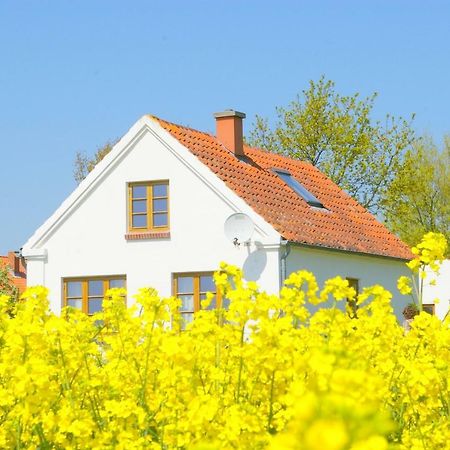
[351, 303]
[148, 206]
[87, 293]
[428, 308]
[191, 289]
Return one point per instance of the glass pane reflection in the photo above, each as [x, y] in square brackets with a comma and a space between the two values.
[160, 190]
[207, 284]
[75, 303]
[187, 302]
[74, 289]
[160, 205]
[116, 283]
[185, 285]
[139, 192]
[212, 303]
[139, 221]
[94, 305]
[160, 219]
[139, 206]
[187, 318]
[95, 287]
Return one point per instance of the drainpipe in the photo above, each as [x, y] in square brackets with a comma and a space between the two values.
[283, 258]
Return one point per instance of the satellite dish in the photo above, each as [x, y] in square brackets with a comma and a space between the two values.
[239, 228]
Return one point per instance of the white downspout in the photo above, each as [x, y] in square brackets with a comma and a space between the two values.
[283, 258]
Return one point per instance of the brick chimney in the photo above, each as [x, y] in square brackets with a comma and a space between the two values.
[14, 262]
[229, 130]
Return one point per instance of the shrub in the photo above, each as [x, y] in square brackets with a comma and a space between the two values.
[264, 374]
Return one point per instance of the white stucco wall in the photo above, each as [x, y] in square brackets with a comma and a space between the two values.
[440, 291]
[369, 270]
[90, 241]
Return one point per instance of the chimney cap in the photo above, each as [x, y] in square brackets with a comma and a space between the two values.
[229, 113]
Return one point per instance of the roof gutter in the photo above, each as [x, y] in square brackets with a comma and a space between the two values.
[350, 252]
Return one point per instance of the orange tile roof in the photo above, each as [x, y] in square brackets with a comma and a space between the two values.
[19, 279]
[343, 225]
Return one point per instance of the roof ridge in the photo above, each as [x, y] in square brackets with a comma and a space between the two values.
[284, 157]
[246, 146]
[158, 119]
[257, 149]
[190, 129]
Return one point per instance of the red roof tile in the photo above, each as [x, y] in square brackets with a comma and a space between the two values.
[343, 225]
[18, 279]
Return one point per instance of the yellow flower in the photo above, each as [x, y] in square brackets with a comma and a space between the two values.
[265, 374]
[430, 252]
[326, 435]
[404, 285]
[414, 265]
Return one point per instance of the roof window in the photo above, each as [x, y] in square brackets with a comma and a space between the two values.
[298, 188]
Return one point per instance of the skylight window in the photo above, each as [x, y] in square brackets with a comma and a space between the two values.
[299, 189]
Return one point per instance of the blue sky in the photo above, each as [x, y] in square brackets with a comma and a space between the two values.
[74, 74]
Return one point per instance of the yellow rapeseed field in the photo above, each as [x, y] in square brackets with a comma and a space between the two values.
[264, 374]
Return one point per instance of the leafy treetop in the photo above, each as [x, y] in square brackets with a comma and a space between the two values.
[83, 165]
[418, 200]
[336, 134]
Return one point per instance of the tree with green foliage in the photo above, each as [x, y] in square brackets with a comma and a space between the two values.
[337, 134]
[83, 165]
[418, 200]
[7, 287]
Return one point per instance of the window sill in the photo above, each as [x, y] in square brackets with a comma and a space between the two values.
[147, 235]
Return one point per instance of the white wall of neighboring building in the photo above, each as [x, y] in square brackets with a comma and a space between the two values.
[440, 291]
[90, 241]
[369, 270]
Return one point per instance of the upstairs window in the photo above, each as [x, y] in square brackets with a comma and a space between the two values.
[87, 293]
[148, 206]
[298, 188]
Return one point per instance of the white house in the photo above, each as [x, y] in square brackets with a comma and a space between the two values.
[152, 213]
[439, 290]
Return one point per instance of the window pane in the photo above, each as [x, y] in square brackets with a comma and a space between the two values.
[187, 302]
[140, 221]
[226, 303]
[207, 284]
[74, 289]
[139, 191]
[187, 318]
[299, 189]
[212, 304]
[354, 283]
[119, 283]
[185, 285]
[139, 206]
[75, 303]
[95, 287]
[160, 205]
[160, 220]
[160, 190]
[94, 305]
